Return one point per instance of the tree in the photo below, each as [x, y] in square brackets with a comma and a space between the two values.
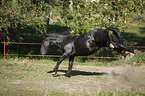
[21, 17]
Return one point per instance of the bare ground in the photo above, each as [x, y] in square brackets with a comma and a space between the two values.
[104, 79]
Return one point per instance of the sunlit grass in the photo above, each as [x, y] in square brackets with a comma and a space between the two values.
[25, 76]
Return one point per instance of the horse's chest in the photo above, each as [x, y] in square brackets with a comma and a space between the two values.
[85, 47]
[91, 45]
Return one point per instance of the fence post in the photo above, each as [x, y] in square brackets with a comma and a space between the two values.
[4, 50]
[17, 51]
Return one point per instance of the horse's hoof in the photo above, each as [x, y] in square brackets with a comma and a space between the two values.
[67, 75]
[54, 75]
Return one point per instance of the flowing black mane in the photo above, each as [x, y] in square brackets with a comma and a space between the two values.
[86, 44]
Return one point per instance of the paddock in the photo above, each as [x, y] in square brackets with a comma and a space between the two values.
[31, 77]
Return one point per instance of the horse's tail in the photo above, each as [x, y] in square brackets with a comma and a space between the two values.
[46, 42]
[52, 39]
[115, 36]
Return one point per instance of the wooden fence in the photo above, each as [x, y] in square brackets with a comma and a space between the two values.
[18, 43]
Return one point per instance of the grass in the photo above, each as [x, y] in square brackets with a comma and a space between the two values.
[134, 34]
[24, 76]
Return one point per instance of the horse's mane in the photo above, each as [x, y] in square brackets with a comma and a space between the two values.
[116, 32]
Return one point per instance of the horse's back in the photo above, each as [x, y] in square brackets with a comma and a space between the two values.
[98, 30]
[56, 35]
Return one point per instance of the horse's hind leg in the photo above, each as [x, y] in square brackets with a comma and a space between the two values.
[65, 55]
[71, 59]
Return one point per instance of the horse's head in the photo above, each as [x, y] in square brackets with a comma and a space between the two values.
[120, 47]
[45, 45]
[51, 39]
[116, 40]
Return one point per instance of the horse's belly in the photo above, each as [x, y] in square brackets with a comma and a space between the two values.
[85, 46]
[85, 51]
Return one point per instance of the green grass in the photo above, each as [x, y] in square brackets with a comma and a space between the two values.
[24, 76]
[134, 34]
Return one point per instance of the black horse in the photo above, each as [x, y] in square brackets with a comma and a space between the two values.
[86, 44]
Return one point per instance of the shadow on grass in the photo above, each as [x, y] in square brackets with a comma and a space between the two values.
[142, 30]
[84, 73]
[131, 38]
[135, 37]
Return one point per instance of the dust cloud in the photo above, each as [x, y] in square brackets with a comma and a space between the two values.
[128, 76]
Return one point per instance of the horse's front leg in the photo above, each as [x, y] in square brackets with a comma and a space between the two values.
[71, 59]
[65, 55]
[127, 49]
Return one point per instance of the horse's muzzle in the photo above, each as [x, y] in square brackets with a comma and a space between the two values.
[42, 51]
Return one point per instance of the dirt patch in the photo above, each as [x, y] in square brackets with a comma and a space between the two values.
[128, 75]
[90, 79]
[128, 78]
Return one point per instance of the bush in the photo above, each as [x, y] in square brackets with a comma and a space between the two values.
[22, 17]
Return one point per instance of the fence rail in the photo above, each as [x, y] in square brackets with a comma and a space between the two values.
[19, 43]
[60, 56]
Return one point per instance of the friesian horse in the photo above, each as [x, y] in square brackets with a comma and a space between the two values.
[83, 45]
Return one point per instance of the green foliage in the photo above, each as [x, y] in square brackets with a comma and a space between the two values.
[19, 17]
[87, 15]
